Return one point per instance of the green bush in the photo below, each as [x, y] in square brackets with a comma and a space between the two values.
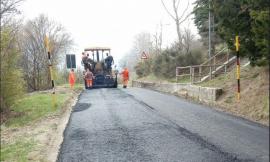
[12, 83]
[144, 68]
[164, 65]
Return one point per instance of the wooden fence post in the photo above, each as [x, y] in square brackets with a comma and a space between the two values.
[214, 63]
[210, 72]
[176, 74]
[190, 74]
[200, 72]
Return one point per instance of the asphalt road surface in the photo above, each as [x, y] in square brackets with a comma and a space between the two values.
[142, 125]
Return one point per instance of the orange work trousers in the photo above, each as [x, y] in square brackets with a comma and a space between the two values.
[125, 82]
[89, 82]
[71, 85]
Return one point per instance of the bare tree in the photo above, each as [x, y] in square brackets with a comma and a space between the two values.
[179, 18]
[187, 40]
[35, 61]
[142, 43]
[11, 84]
[9, 8]
[158, 38]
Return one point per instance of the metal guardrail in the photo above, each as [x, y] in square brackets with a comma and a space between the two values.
[217, 64]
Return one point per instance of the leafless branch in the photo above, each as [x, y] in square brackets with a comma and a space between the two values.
[183, 13]
[167, 10]
[9, 7]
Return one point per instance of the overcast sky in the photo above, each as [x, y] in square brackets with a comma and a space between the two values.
[112, 23]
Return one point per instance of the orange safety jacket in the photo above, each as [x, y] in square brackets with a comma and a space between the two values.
[71, 78]
[125, 74]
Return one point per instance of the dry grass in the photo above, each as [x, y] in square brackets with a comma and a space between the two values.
[254, 101]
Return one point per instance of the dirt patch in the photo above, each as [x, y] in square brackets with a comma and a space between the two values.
[46, 132]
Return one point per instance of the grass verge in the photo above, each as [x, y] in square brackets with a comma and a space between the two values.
[30, 109]
[17, 151]
[35, 106]
[76, 86]
[152, 78]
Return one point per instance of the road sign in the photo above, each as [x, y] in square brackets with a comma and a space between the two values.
[144, 56]
[71, 61]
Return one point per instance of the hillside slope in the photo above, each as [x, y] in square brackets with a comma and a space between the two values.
[254, 101]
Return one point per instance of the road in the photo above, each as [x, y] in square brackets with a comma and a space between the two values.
[142, 125]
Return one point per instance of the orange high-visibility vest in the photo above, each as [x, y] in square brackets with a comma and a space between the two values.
[125, 74]
[71, 78]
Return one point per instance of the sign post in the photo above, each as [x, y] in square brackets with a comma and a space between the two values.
[237, 45]
[47, 45]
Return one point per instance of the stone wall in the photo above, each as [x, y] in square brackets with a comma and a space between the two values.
[205, 94]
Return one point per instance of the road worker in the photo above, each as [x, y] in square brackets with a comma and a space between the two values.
[89, 78]
[84, 58]
[71, 78]
[109, 62]
[125, 76]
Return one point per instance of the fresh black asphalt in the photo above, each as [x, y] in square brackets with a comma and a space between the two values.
[142, 125]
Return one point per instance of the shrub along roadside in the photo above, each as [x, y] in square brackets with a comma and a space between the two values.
[164, 65]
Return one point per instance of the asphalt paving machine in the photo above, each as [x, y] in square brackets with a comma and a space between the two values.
[99, 61]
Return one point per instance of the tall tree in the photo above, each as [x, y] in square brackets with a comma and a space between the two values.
[11, 82]
[142, 43]
[259, 14]
[9, 8]
[250, 20]
[35, 61]
[178, 18]
[158, 39]
[201, 20]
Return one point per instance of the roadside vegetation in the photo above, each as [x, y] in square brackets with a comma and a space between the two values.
[228, 19]
[17, 151]
[254, 101]
[33, 107]
[24, 62]
[249, 19]
[27, 114]
[22, 128]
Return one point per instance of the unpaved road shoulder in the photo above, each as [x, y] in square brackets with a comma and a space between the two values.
[47, 133]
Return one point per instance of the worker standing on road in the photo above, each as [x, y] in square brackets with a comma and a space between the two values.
[89, 78]
[125, 75]
[71, 78]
